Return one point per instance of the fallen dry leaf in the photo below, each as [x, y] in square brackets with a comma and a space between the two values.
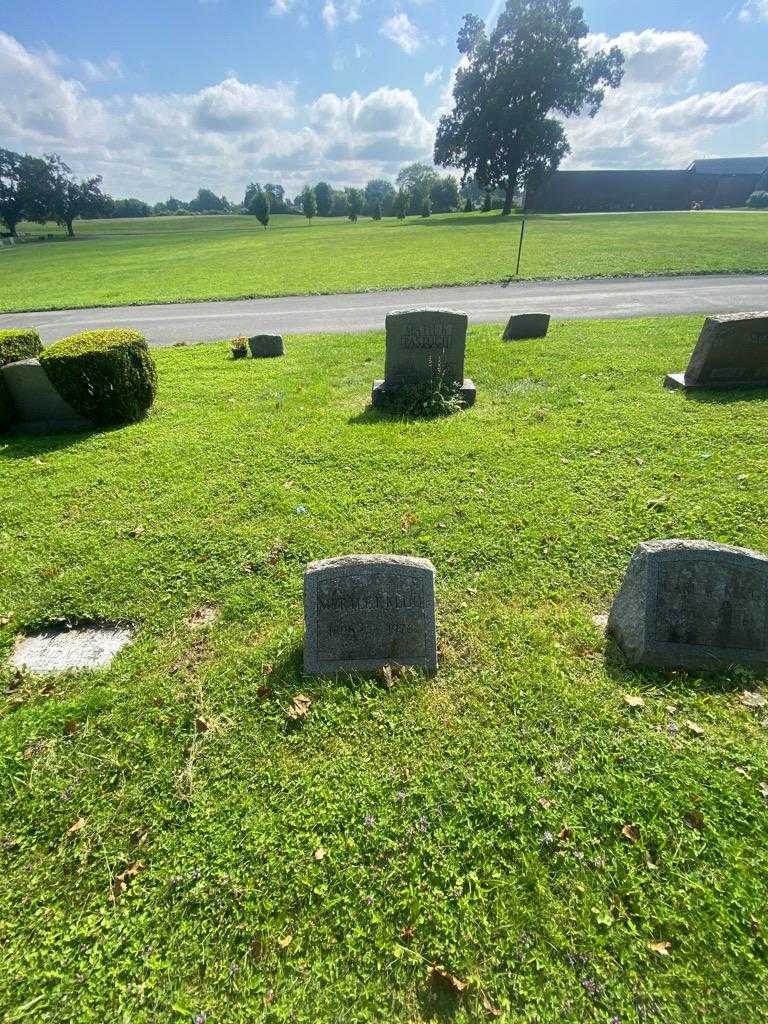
[546, 804]
[203, 724]
[742, 771]
[71, 727]
[285, 941]
[694, 728]
[137, 531]
[5, 619]
[120, 882]
[662, 948]
[564, 834]
[438, 975]
[633, 701]
[490, 1008]
[695, 819]
[408, 520]
[386, 676]
[764, 789]
[407, 933]
[753, 699]
[319, 853]
[80, 823]
[632, 833]
[299, 708]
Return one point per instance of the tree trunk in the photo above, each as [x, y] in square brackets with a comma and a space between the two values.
[70, 229]
[12, 227]
[509, 195]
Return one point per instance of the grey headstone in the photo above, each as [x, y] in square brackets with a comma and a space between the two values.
[423, 345]
[732, 352]
[526, 325]
[263, 345]
[363, 612]
[66, 650]
[39, 406]
[693, 604]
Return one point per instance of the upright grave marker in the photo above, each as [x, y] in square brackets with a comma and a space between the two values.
[424, 345]
[363, 612]
[693, 604]
[732, 352]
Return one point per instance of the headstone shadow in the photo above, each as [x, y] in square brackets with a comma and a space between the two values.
[682, 682]
[20, 445]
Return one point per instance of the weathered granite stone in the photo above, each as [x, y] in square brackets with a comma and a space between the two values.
[732, 352]
[66, 650]
[526, 325]
[262, 345]
[39, 406]
[424, 345]
[363, 612]
[693, 604]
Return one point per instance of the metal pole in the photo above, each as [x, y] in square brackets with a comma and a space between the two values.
[520, 247]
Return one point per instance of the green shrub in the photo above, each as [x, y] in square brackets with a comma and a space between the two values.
[425, 400]
[107, 376]
[758, 201]
[18, 343]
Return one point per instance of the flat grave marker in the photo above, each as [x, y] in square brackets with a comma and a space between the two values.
[65, 650]
[521, 326]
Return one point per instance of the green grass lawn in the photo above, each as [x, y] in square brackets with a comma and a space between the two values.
[171, 259]
[473, 820]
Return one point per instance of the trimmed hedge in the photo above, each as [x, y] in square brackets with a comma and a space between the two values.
[106, 376]
[19, 343]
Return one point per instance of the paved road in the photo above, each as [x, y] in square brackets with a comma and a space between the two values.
[308, 314]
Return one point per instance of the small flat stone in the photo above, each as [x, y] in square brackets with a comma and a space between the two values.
[266, 346]
[526, 325]
[67, 650]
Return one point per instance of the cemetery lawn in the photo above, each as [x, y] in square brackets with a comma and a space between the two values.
[174, 848]
[175, 259]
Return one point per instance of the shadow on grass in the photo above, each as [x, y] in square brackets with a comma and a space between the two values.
[372, 415]
[18, 445]
[682, 681]
[438, 1004]
[726, 396]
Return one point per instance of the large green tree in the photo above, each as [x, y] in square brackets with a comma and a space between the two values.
[260, 205]
[70, 199]
[309, 203]
[532, 65]
[324, 198]
[379, 193]
[26, 184]
[417, 179]
[355, 200]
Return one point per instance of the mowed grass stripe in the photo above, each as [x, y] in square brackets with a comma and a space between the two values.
[176, 259]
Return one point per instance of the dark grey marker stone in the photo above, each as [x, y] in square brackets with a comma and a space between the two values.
[732, 352]
[363, 612]
[424, 345]
[693, 604]
[265, 345]
[38, 405]
[526, 325]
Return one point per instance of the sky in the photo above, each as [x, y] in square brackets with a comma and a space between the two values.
[163, 98]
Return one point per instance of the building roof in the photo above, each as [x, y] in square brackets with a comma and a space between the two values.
[731, 165]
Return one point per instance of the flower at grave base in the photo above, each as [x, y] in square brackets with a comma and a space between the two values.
[589, 986]
[369, 821]
[548, 838]
[423, 824]
[400, 794]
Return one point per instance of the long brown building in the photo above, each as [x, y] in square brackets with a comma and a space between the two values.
[714, 184]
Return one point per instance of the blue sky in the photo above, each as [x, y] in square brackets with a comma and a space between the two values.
[167, 97]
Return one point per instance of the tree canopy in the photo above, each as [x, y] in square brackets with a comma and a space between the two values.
[532, 65]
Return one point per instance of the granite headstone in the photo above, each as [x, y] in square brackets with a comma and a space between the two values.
[693, 604]
[39, 406]
[363, 612]
[266, 345]
[526, 325]
[424, 345]
[732, 352]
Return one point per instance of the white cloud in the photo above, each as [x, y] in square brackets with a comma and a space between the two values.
[654, 58]
[334, 11]
[402, 32]
[279, 8]
[430, 77]
[754, 10]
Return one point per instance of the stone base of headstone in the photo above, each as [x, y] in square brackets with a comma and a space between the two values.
[521, 326]
[264, 346]
[675, 381]
[365, 612]
[692, 604]
[384, 395]
[681, 382]
[39, 406]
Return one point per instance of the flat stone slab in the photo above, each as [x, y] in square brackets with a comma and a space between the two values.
[383, 395]
[39, 406]
[363, 612]
[266, 346]
[732, 352]
[693, 604]
[526, 325]
[67, 650]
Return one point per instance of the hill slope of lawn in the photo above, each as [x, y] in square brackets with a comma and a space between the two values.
[171, 259]
[173, 848]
